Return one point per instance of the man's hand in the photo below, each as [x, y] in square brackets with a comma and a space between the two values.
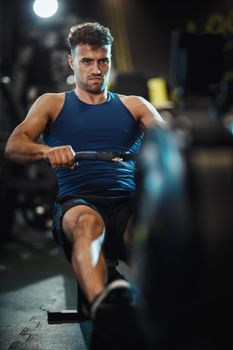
[60, 157]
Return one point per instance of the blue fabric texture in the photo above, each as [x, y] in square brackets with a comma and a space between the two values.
[104, 127]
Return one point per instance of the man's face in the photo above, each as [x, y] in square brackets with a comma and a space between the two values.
[91, 67]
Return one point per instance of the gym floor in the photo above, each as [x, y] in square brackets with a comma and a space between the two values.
[34, 278]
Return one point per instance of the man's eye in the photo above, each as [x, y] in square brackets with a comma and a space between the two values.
[86, 61]
[104, 61]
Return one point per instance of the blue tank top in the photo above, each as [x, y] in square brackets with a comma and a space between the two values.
[104, 127]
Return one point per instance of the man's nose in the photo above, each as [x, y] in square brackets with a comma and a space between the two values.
[96, 68]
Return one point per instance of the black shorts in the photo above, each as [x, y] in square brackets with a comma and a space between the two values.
[115, 211]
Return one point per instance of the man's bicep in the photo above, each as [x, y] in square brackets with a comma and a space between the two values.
[149, 115]
[31, 128]
[35, 122]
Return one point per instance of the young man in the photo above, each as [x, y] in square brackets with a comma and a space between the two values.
[94, 205]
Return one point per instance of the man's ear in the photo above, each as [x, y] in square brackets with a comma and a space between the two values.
[70, 60]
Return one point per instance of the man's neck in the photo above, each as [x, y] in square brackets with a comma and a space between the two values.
[91, 98]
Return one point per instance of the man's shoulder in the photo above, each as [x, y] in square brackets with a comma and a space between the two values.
[132, 101]
[131, 98]
[53, 96]
[51, 102]
[52, 99]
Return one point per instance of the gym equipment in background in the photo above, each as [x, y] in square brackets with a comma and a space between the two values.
[183, 237]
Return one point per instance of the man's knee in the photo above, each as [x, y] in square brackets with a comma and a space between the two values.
[82, 219]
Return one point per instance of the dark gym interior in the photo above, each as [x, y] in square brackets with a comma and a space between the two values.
[179, 56]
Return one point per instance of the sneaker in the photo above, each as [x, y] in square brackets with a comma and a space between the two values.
[117, 293]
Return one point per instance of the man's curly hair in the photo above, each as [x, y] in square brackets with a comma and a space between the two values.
[93, 34]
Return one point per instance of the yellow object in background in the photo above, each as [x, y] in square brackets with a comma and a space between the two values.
[158, 92]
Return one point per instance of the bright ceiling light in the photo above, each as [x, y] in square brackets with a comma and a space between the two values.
[45, 8]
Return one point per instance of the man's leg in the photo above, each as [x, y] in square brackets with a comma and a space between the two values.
[85, 228]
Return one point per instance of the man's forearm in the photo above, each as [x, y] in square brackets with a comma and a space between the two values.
[21, 149]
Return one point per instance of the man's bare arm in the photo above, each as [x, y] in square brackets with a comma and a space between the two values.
[143, 111]
[148, 115]
[23, 146]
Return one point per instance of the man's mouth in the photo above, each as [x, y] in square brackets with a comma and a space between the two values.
[95, 78]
